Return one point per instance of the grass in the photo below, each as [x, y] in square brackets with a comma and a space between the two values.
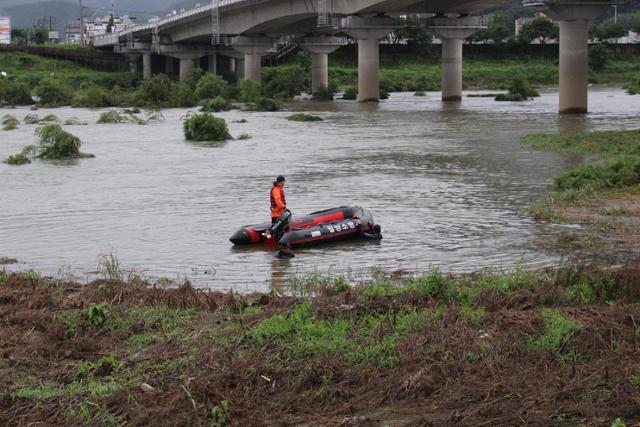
[303, 117]
[558, 337]
[607, 143]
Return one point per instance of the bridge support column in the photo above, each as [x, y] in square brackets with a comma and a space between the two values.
[573, 20]
[146, 66]
[368, 32]
[213, 63]
[253, 48]
[186, 67]
[133, 63]
[239, 68]
[453, 32]
[320, 48]
[168, 65]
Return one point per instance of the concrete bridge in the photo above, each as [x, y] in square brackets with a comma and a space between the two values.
[245, 30]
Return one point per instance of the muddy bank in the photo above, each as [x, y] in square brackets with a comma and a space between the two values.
[549, 347]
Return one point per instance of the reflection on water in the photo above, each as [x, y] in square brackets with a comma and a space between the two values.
[447, 182]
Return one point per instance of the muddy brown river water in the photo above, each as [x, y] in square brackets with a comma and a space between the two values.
[448, 184]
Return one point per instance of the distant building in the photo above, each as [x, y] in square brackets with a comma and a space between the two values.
[5, 30]
[95, 26]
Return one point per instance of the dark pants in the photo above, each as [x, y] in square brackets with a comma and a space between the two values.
[273, 220]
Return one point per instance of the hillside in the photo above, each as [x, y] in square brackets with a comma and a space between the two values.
[24, 15]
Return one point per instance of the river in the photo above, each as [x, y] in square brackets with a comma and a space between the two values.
[448, 183]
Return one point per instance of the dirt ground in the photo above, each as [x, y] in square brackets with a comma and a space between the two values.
[181, 353]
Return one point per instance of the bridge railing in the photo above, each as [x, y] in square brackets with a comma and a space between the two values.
[109, 39]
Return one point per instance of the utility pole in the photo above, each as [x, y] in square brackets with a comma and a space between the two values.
[81, 25]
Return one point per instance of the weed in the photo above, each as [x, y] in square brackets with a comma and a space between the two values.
[49, 118]
[215, 105]
[518, 91]
[98, 314]
[31, 119]
[109, 265]
[244, 136]
[350, 94]
[42, 391]
[315, 283]
[324, 94]
[302, 117]
[219, 414]
[265, 104]
[558, 337]
[618, 423]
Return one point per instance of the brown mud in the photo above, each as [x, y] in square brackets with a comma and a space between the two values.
[454, 370]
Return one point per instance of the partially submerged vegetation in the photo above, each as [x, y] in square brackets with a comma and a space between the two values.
[128, 116]
[520, 90]
[55, 143]
[205, 127]
[633, 88]
[17, 160]
[398, 349]
[9, 122]
[303, 117]
[604, 194]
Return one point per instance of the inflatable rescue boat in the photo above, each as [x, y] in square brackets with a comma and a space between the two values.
[311, 229]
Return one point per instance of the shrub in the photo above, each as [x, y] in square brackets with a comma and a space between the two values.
[302, 117]
[211, 86]
[53, 92]
[324, 94]
[598, 57]
[182, 96]
[31, 119]
[350, 94]
[55, 143]
[633, 88]
[265, 104]
[92, 97]
[17, 159]
[249, 91]
[284, 82]
[215, 105]
[9, 122]
[205, 127]
[74, 122]
[124, 116]
[18, 93]
[520, 90]
[49, 118]
[156, 92]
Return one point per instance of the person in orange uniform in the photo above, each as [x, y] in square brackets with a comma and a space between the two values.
[278, 201]
[278, 209]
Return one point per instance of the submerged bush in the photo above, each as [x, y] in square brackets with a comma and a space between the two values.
[124, 116]
[92, 97]
[53, 92]
[284, 82]
[324, 94]
[215, 105]
[17, 159]
[211, 86]
[244, 136]
[520, 90]
[350, 94]
[249, 91]
[302, 117]
[9, 122]
[205, 127]
[55, 143]
[265, 104]
[633, 88]
[156, 92]
[31, 119]
[49, 118]
[74, 122]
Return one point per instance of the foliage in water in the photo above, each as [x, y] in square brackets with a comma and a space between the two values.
[350, 94]
[17, 159]
[92, 96]
[205, 127]
[265, 104]
[9, 122]
[55, 143]
[211, 86]
[520, 90]
[612, 174]
[215, 105]
[302, 117]
[249, 91]
[324, 93]
[633, 88]
[155, 92]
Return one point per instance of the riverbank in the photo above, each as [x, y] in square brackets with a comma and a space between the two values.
[603, 195]
[555, 346]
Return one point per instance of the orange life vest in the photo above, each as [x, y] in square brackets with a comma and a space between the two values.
[278, 201]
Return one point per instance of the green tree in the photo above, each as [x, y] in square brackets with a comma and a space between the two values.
[497, 32]
[41, 35]
[211, 86]
[539, 29]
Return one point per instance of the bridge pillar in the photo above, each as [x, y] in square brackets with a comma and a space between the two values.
[133, 63]
[213, 63]
[168, 65]
[186, 67]
[453, 32]
[320, 48]
[146, 66]
[253, 48]
[368, 32]
[573, 20]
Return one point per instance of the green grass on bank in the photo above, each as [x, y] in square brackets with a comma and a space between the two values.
[616, 169]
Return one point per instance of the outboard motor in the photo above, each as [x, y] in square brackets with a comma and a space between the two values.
[278, 227]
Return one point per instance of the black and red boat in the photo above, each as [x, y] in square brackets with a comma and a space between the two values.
[311, 229]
